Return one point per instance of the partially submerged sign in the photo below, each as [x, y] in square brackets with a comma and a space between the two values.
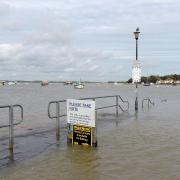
[81, 112]
[81, 120]
[82, 135]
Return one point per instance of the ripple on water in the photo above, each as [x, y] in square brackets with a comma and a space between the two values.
[134, 147]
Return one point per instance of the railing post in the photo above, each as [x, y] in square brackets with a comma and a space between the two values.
[117, 106]
[11, 133]
[57, 122]
[136, 100]
[148, 103]
[94, 133]
[94, 130]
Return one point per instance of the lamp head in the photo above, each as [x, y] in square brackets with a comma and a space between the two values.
[136, 33]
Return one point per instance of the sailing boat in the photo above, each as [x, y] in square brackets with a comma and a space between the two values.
[79, 85]
[146, 84]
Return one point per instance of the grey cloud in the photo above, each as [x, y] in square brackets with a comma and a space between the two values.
[49, 60]
[45, 39]
[4, 9]
[56, 37]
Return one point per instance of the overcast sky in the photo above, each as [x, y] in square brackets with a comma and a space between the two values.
[88, 40]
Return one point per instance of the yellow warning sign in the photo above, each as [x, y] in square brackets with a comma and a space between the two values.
[82, 135]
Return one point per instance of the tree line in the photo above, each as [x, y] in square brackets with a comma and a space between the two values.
[155, 78]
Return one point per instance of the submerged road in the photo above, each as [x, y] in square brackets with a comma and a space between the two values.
[134, 146]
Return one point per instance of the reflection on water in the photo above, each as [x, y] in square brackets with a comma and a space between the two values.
[143, 145]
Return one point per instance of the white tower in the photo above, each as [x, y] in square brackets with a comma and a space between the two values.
[136, 72]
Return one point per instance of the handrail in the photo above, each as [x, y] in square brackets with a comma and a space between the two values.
[149, 102]
[9, 106]
[11, 126]
[57, 115]
[124, 101]
[93, 98]
[2, 107]
[22, 113]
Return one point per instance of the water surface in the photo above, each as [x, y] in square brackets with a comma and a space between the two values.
[134, 146]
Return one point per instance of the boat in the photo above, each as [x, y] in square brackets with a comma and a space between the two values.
[146, 84]
[68, 83]
[44, 83]
[2, 83]
[79, 85]
[11, 83]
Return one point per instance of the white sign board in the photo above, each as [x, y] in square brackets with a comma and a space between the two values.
[136, 72]
[81, 112]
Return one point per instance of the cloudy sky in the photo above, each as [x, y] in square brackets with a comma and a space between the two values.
[91, 40]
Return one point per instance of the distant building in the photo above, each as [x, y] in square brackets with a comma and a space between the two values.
[160, 82]
[167, 81]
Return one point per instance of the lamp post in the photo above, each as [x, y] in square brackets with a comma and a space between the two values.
[136, 69]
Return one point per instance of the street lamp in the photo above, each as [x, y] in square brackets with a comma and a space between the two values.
[136, 35]
[136, 71]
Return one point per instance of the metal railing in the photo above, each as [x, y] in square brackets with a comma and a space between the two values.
[57, 115]
[11, 125]
[148, 101]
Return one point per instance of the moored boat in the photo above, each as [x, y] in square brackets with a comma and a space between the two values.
[79, 85]
[146, 84]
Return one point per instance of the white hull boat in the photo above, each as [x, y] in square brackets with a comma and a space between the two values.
[79, 86]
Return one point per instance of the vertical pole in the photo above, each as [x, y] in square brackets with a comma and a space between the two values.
[148, 103]
[136, 101]
[94, 131]
[136, 49]
[117, 106]
[11, 133]
[57, 122]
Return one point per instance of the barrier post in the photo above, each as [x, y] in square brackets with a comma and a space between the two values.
[94, 133]
[117, 106]
[57, 122]
[148, 103]
[11, 133]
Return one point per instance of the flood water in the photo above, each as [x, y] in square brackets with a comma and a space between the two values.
[134, 146]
